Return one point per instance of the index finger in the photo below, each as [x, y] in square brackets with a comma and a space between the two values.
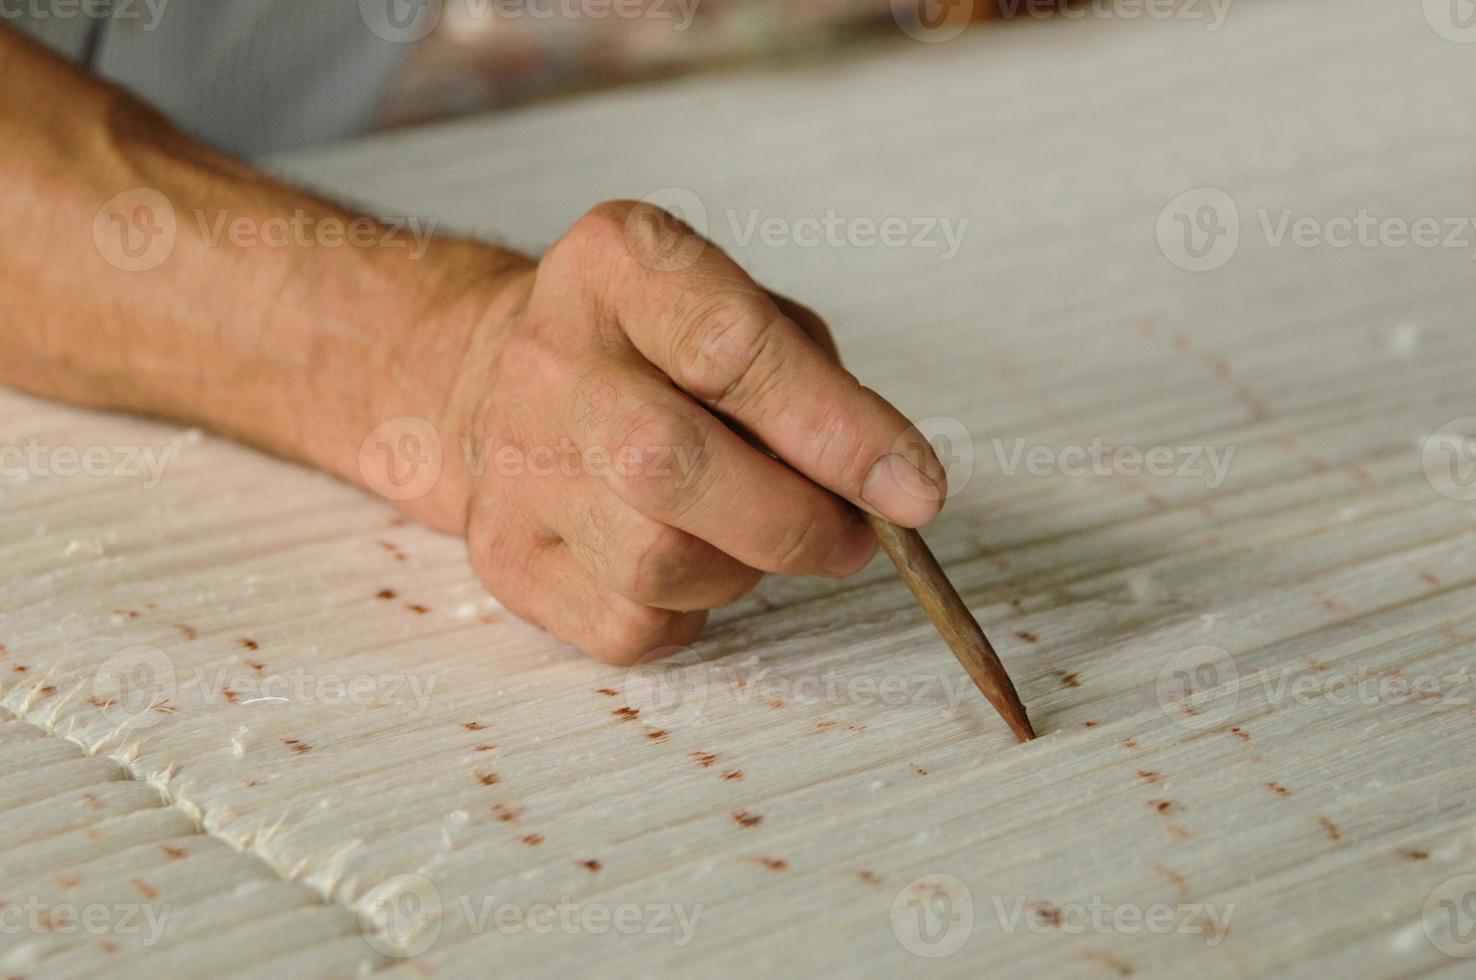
[724, 340]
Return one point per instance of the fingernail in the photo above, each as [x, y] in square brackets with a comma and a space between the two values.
[900, 492]
[851, 554]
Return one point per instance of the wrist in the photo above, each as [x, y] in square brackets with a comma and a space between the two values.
[415, 440]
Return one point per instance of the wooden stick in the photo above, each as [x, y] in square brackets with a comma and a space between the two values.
[940, 600]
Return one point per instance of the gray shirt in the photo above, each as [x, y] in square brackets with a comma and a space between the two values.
[248, 76]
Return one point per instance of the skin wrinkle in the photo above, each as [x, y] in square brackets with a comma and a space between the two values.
[757, 359]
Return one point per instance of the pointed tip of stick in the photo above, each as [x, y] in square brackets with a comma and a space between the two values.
[1020, 725]
[1002, 695]
[960, 630]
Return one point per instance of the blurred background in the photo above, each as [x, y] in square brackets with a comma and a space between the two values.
[484, 54]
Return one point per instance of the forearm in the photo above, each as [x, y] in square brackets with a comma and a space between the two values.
[274, 316]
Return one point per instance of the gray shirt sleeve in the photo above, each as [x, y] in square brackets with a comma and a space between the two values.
[248, 76]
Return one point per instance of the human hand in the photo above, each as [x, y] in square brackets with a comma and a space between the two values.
[612, 405]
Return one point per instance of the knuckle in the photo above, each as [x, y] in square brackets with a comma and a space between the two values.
[628, 635]
[642, 457]
[605, 224]
[722, 345]
[530, 354]
[501, 563]
[593, 245]
[656, 428]
[798, 550]
[737, 586]
[659, 565]
[848, 449]
[657, 239]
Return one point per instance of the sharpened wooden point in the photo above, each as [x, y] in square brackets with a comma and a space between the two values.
[940, 600]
